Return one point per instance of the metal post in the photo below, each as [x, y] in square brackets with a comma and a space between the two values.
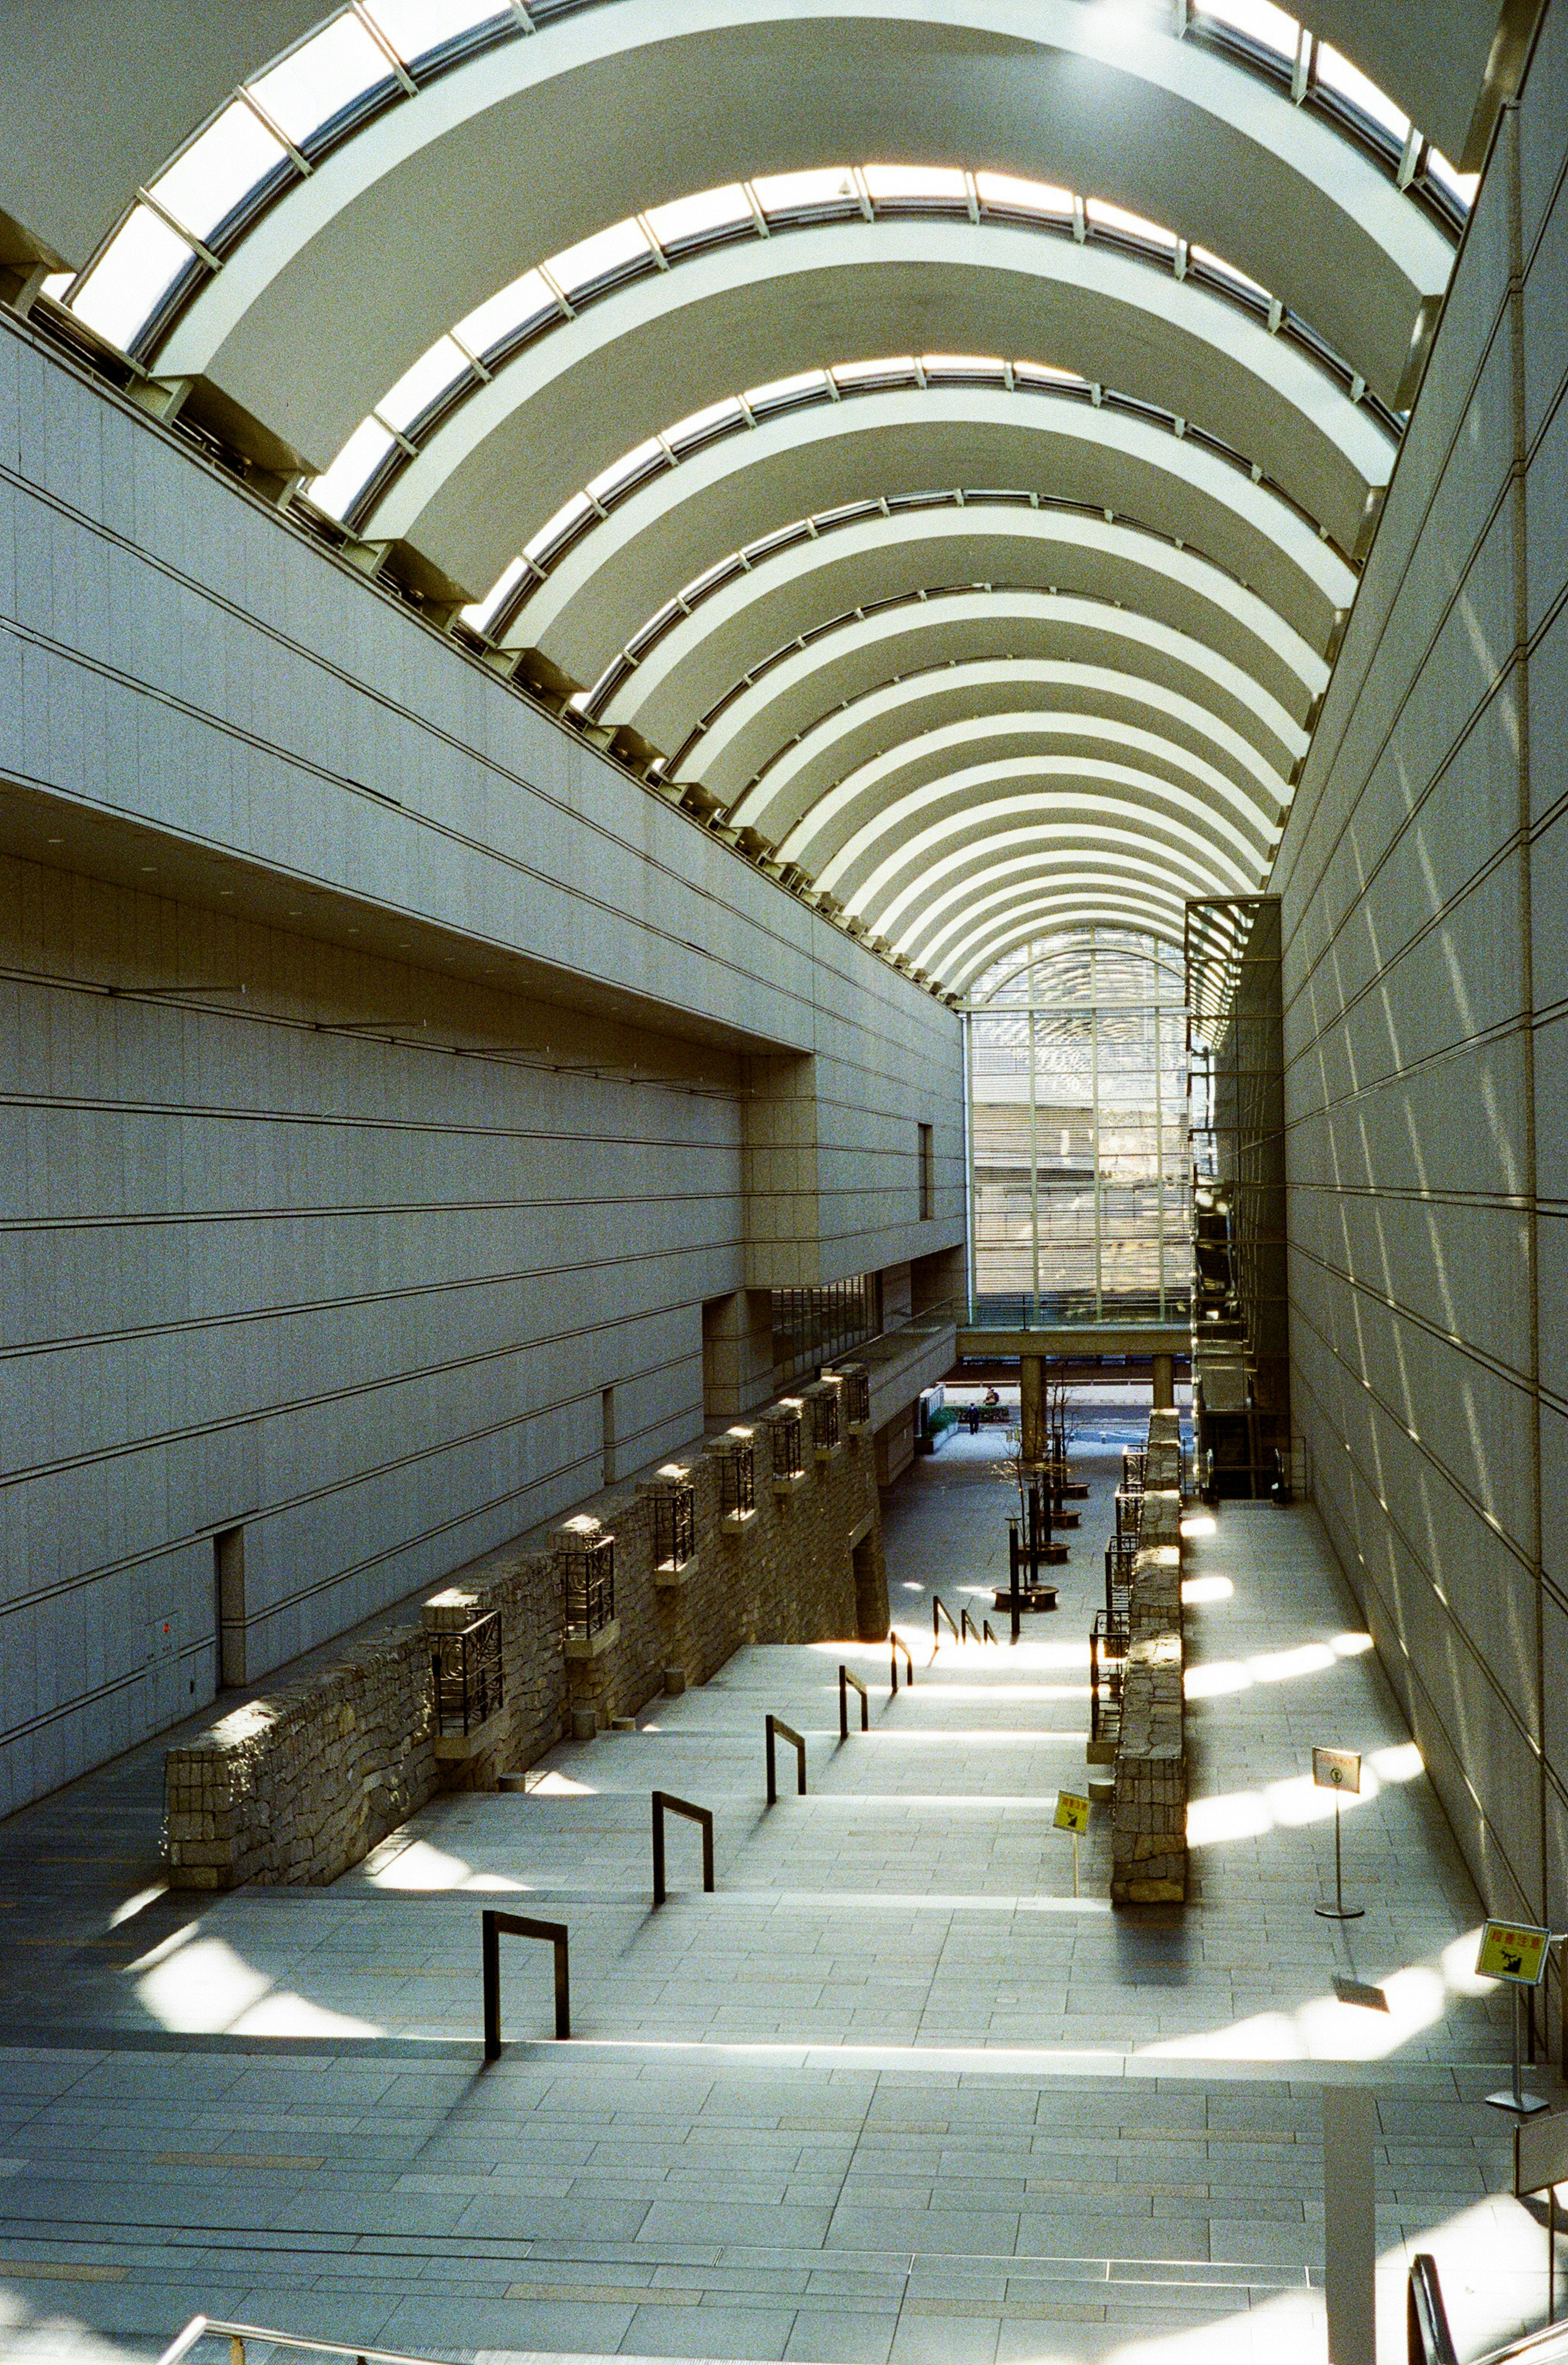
[657, 1806]
[1349, 2224]
[490, 1959]
[1014, 1604]
[772, 1767]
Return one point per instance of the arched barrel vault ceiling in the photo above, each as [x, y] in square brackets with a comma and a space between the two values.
[584, 394]
[982, 948]
[526, 149]
[806, 690]
[810, 584]
[889, 734]
[986, 897]
[1109, 783]
[959, 758]
[117, 85]
[884, 444]
[1088, 828]
[989, 910]
[1192, 608]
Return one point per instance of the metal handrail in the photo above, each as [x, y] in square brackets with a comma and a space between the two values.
[1427, 2335]
[898, 1643]
[940, 1609]
[1107, 1657]
[776, 1724]
[986, 1633]
[237, 2334]
[519, 1926]
[664, 1801]
[844, 1680]
[968, 1630]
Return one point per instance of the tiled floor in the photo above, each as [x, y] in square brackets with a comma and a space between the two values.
[892, 2093]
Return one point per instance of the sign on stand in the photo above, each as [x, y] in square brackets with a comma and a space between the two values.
[1515, 1953]
[1338, 1769]
[1072, 1815]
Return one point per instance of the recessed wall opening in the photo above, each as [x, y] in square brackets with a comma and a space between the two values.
[229, 1591]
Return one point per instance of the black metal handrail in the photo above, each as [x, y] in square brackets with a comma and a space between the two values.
[775, 1725]
[1107, 1661]
[940, 1609]
[989, 1636]
[467, 1684]
[897, 1644]
[844, 1680]
[519, 1926]
[1428, 2338]
[665, 1802]
[967, 1630]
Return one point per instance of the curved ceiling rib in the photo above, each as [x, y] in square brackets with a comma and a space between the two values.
[590, 577]
[963, 760]
[795, 690]
[806, 585]
[303, 181]
[576, 400]
[931, 938]
[1095, 791]
[826, 773]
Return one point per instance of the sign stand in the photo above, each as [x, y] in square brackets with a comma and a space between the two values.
[1338, 1769]
[1517, 2099]
[1516, 1953]
[1072, 1815]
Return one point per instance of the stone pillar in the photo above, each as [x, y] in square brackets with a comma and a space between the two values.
[1033, 1444]
[737, 1354]
[1164, 1383]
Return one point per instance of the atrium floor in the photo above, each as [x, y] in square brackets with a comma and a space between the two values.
[892, 2094]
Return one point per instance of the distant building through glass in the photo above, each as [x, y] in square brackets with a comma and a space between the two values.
[1079, 1171]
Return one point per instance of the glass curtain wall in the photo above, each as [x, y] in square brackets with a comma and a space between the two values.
[1079, 1172]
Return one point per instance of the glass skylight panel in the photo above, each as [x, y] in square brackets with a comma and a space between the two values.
[491, 323]
[1217, 268]
[781, 392]
[1337, 73]
[416, 28]
[688, 220]
[1045, 373]
[337, 488]
[321, 79]
[1123, 224]
[635, 462]
[599, 257]
[1006, 191]
[892, 185]
[555, 530]
[702, 425]
[130, 279]
[800, 193]
[218, 171]
[1460, 186]
[1260, 21]
[964, 366]
[480, 613]
[434, 375]
[894, 366]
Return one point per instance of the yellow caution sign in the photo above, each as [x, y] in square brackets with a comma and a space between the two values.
[1072, 1813]
[1514, 1952]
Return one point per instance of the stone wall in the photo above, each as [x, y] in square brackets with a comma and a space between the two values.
[300, 1784]
[1148, 1822]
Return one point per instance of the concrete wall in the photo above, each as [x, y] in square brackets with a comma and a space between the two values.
[385, 1076]
[1426, 980]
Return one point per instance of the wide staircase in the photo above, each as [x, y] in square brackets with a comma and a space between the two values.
[891, 2093]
